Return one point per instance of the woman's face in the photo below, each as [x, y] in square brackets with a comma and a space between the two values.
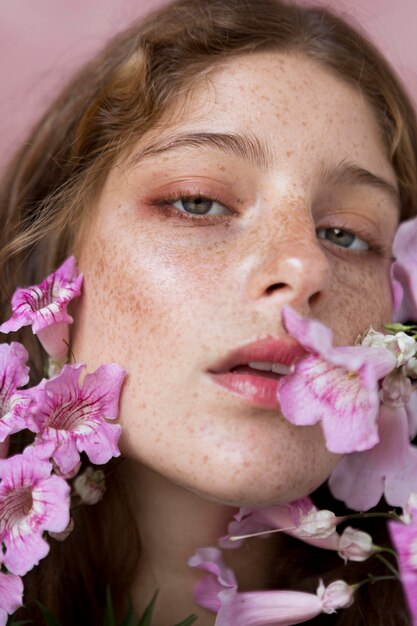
[196, 245]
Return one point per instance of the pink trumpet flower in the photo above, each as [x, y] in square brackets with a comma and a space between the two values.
[404, 538]
[403, 271]
[31, 502]
[11, 595]
[281, 608]
[14, 373]
[337, 386]
[218, 592]
[44, 306]
[70, 419]
[300, 519]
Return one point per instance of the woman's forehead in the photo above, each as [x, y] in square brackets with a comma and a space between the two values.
[274, 109]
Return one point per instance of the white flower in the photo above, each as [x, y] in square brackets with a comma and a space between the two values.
[401, 345]
[410, 368]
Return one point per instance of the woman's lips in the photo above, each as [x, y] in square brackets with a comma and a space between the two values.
[254, 387]
[257, 387]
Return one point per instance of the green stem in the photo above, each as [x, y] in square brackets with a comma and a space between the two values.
[388, 565]
[373, 579]
[389, 515]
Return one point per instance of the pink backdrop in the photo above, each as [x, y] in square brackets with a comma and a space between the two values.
[43, 41]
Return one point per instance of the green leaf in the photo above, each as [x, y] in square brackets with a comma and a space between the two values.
[146, 619]
[50, 620]
[109, 619]
[187, 622]
[130, 618]
[21, 622]
[396, 328]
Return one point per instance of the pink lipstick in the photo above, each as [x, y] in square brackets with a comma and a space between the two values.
[255, 370]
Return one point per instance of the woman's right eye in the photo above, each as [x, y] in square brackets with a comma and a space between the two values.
[200, 205]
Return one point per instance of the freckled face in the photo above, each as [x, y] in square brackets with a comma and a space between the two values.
[192, 252]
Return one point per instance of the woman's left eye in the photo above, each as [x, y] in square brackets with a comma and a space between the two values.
[343, 238]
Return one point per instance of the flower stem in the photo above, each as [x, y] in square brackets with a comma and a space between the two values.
[388, 565]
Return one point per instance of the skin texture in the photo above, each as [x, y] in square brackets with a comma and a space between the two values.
[168, 297]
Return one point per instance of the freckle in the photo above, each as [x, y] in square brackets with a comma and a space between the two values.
[289, 153]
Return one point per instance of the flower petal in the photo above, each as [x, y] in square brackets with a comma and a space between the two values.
[403, 269]
[23, 552]
[11, 595]
[404, 538]
[389, 468]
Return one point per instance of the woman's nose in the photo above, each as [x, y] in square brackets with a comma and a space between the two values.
[294, 272]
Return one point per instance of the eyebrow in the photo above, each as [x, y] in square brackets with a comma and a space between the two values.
[348, 172]
[252, 149]
[248, 147]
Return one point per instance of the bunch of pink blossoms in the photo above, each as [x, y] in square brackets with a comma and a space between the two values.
[365, 397]
[66, 417]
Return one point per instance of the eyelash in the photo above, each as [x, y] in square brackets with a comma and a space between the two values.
[166, 203]
[376, 246]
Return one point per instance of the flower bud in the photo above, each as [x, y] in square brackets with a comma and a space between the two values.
[355, 545]
[338, 595]
[396, 389]
[318, 524]
[90, 485]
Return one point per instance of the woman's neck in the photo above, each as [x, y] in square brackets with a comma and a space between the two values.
[173, 522]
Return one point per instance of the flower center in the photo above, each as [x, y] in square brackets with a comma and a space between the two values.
[69, 415]
[37, 298]
[15, 506]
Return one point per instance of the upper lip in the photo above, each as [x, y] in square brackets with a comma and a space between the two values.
[285, 350]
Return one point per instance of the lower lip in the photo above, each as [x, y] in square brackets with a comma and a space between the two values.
[257, 390]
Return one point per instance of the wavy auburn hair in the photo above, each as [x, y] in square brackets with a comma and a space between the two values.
[142, 75]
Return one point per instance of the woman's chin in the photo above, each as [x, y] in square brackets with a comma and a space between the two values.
[260, 493]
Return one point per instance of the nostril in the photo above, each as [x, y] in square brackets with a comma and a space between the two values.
[275, 287]
[314, 299]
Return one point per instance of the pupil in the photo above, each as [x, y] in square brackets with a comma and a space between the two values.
[197, 205]
[340, 237]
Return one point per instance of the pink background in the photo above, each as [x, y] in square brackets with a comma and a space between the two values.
[43, 41]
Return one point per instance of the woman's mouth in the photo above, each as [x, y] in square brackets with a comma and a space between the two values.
[254, 371]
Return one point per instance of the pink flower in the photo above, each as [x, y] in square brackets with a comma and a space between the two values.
[11, 595]
[337, 386]
[281, 608]
[31, 501]
[300, 519]
[389, 469]
[44, 306]
[404, 271]
[70, 418]
[14, 373]
[207, 589]
[218, 593]
[404, 538]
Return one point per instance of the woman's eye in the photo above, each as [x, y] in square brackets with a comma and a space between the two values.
[343, 238]
[199, 205]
